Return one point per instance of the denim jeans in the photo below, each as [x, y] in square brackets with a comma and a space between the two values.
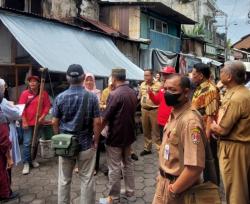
[86, 164]
[27, 140]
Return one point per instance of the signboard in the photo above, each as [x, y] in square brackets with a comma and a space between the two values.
[210, 50]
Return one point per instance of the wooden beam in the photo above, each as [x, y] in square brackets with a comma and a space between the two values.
[17, 80]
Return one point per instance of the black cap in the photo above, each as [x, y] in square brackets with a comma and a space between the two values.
[75, 70]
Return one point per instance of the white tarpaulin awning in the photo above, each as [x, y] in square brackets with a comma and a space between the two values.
[56, 46]
[206, 60]
[247, 65]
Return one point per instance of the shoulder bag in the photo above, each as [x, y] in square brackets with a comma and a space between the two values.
[67, 145]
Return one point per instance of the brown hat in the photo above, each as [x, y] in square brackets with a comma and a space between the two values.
[119, 72]
[33, 77]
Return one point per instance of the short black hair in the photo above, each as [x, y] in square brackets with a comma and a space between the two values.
[149, 70]
[203, 69]
[184, 81]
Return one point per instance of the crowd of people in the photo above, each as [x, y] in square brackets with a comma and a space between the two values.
[181, 116]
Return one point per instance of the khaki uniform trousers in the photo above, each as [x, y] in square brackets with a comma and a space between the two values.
[150, 129]
[234, 159]
[162, 194]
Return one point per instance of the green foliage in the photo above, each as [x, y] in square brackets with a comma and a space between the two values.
[197, 30]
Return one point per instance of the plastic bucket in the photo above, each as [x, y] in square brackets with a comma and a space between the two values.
[46, 149]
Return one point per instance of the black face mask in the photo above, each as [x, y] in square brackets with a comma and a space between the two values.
[171, 99]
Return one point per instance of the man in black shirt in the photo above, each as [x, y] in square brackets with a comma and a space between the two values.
[119, 115]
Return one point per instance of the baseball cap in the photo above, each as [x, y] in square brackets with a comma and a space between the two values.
[34, 77]
[168, 70]
[75, 70]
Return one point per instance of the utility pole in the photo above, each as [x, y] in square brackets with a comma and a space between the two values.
[226, 30]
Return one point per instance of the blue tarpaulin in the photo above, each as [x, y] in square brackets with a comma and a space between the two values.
[56, 46]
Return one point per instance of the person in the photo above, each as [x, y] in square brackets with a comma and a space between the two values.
[30, 98]
[206, 100]
[90, 85]
[158, 99]
[105, 94]
[149, 113]
[6, 162]
[233, 129]
[12, 113]
[119, 115]
[158, 77]
[69, 117]
[182, 152]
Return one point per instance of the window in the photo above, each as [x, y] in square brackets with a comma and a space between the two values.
[34, 6]
[164, 28]
[158, 25]
[15, 4]
[152, 24]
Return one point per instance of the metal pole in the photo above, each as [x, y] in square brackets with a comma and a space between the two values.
[226, 29]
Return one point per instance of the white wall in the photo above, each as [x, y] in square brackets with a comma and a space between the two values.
[5, 45]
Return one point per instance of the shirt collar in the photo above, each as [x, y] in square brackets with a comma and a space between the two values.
[76, 87]
[177, 112]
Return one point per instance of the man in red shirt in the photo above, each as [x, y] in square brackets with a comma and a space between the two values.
[30, 98]
[158, 99]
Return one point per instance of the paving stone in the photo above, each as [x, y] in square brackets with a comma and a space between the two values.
[28, 198]
[40, 186]
[38, 201]
[44, 194]
[149, 182]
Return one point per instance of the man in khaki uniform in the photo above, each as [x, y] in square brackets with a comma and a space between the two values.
[149, 113]
[182, 152]
[234, 130]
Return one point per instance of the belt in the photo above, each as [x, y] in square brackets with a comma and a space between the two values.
[168, 176]
[150, 108]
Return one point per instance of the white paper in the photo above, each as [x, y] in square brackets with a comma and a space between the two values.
[20, 108]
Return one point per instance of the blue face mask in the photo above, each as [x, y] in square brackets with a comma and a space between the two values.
[172, 99]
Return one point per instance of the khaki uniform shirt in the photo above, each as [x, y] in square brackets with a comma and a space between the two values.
[145, 100]
[234, 114]
[182, 144]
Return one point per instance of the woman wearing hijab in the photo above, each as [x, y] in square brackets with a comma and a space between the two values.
[89, 84]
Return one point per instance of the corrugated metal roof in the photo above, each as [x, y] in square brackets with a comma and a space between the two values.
[102, 26]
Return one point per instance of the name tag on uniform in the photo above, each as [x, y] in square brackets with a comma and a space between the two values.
[166, 152]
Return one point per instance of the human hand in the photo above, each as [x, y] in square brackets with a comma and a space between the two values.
[10, 163]
[40, 120]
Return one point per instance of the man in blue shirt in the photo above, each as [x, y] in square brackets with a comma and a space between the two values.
[70, 117]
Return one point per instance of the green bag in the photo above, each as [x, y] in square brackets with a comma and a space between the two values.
[65, 145]
[205, 193]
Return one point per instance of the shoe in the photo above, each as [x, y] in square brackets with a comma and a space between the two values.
[76, 170]
[145, 152]
[134, 157]
[26, 169]
[109, 200]
[128, 195]
[35, 164]
[13, 196]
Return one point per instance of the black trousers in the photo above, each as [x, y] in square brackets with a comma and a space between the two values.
[214, 149]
